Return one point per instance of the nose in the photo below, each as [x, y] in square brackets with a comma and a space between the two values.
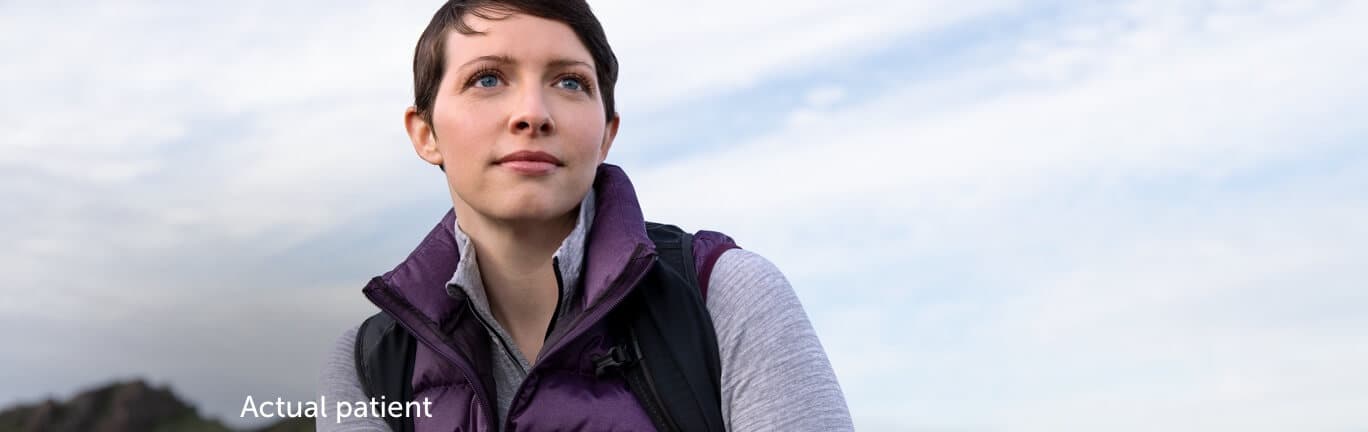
[531, 115]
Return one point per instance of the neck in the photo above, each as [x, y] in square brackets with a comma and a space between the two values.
[515, 261]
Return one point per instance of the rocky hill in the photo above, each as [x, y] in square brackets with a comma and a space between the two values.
[123, 407]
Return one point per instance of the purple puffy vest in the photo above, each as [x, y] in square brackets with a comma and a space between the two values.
[562, 392]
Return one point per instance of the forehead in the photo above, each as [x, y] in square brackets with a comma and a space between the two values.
[522, 37]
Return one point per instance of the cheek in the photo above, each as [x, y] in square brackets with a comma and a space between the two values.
[465, 135]
[583, 132]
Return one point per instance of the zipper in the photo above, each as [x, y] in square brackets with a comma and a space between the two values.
[601, 312]
[579, 320]
[489, 328]
[560, 297]
[555, 313]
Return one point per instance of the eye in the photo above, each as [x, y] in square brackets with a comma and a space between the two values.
[571, 83]
[486, 81]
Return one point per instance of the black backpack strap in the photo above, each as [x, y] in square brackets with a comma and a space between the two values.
[674, 248]
[670, 347]
[384, 363]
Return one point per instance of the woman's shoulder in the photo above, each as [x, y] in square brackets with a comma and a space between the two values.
[740, 268]
[775, 374]
[745, 285]
[339, 365]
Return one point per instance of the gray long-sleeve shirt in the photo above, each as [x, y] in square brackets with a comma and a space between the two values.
[775, 375]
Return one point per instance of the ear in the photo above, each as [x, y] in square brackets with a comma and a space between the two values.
[608, 137]
[421, 134]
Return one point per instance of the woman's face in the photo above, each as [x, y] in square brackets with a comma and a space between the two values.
[525, 86]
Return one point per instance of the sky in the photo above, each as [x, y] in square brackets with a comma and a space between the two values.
[999, 215]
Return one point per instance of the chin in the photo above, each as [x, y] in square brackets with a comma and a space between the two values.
[532, 208]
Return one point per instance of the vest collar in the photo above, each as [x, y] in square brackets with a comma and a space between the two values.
[616, 239]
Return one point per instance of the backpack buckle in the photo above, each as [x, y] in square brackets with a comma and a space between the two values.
[615, 357]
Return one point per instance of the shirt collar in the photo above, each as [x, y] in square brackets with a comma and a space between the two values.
[569, 256]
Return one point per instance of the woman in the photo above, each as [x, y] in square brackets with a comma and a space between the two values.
[523, 309]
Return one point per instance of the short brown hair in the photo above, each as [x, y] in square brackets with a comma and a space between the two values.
[429, 58]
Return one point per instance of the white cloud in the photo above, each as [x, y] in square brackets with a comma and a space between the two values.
[1089, 305]
[1189, 108]
[693, 50]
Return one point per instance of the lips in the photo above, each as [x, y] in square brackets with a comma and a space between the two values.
[530, 156]
[530, 163]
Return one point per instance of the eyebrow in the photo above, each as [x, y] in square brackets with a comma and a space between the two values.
[506, 60]
[497, 59]
[564, 62]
